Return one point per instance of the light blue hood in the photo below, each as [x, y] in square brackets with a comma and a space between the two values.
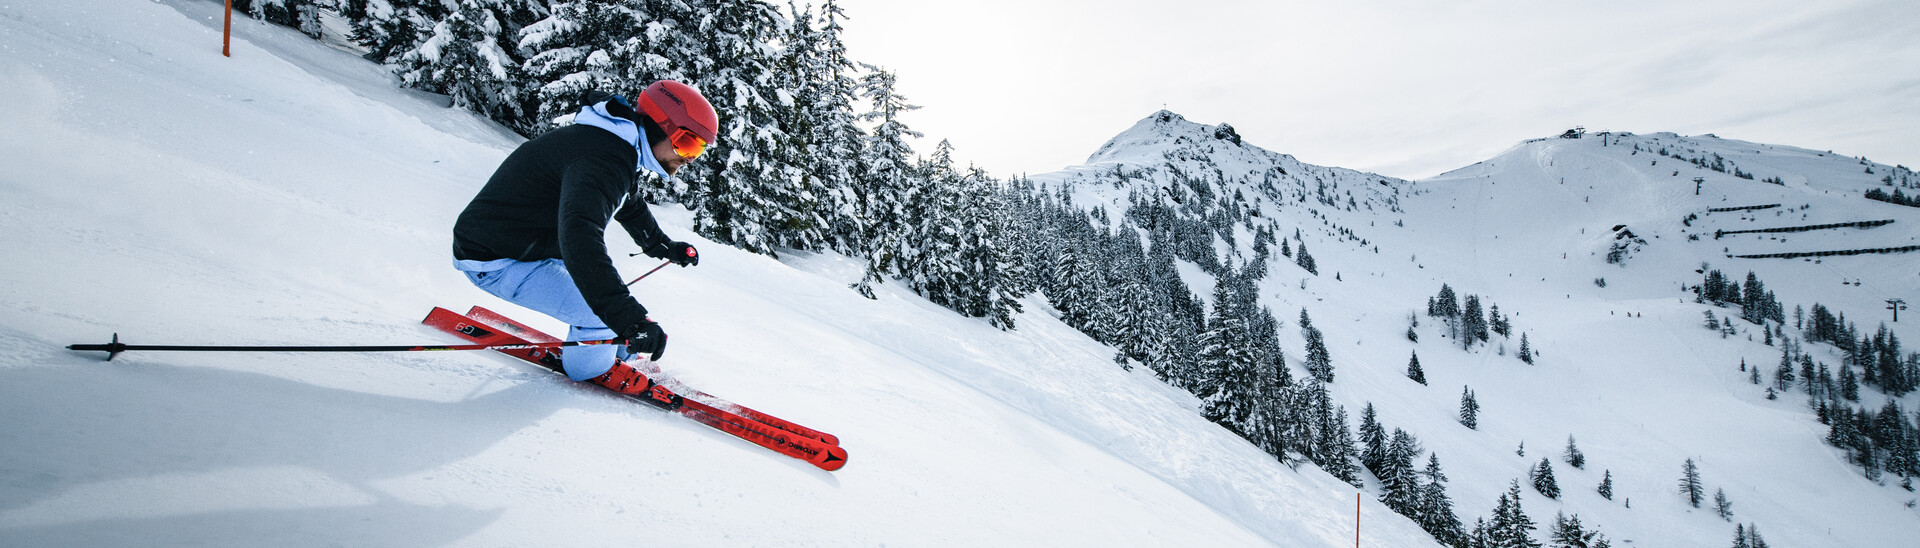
[628, 131]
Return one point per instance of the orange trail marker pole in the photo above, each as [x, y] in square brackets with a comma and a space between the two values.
[1356, 520]
[226, 35]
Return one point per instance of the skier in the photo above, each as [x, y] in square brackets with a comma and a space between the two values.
[535, 234]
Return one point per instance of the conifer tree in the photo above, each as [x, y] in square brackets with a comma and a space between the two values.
[1434, 510]
[1740, 536]
[594, 45]
[1337, 448]
[1543, 479]
[1807, 376]
[887, 184]
[1753, 537]
[1446, 304]
[1721, 505]
[1690, 484]
[1511, 527]
[1469, 409]
[832, 127]
[1306, 261]
[1473, 324]
[1480, 536]
[1567, 532]
[390, 28]
[1373, 441]
[469, 55]
[1318, 362]
[1398, 479]
[1573, 455]
[1606, 485]
[1783, 375]
[1413, 370]
[1526, 350]
[1229, 381]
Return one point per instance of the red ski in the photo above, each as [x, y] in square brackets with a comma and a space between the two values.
[814, 450]
[652, 371]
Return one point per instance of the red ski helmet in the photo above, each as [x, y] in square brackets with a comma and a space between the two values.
[680, 111]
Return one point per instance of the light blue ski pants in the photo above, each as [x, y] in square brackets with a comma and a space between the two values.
[545, 287]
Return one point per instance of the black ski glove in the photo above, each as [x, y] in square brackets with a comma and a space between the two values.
[681, 253]
[645, 337]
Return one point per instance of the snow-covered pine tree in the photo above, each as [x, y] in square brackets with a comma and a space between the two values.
[1469, 409]
[1399, 482]
[999, 274]
[965, 266]
[471, 55]
[1473, 323]
[1606, 485]
[1807, 375]
[1231, 387]
[1567, 532]
[1721, 505]
[1479, 537]
[1573, 455]
[1543, 479]
[588, 45]
[833, 127]
[1336, 447]
[1690, 483]
[1318, 362]
[1303, 407]
[1434, 510]
[1753, 536]
[303, 15]
[930, 265]
[1446, 304]
[1564, 531]
[1373, 441]
[1511, 528]
[1306, 261]
[757, 196]
[1783, 375]
[887, 183]
[1526, 350]
[1413, 370]
[390, 28]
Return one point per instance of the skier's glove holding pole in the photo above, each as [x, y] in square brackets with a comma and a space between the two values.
[681, 253]
[645, 337]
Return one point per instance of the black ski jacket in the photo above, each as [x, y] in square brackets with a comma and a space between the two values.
[551, 199]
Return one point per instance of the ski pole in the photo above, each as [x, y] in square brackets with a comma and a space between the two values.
[649, 273]
[116, 347]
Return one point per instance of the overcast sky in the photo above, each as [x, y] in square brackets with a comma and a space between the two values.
[1407, 88]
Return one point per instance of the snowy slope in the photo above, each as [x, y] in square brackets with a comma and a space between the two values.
[290, 194]
[1626, 369]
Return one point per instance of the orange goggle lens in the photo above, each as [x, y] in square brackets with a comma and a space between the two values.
[687, 145]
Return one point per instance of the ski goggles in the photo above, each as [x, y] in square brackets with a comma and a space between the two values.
[686, 144]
